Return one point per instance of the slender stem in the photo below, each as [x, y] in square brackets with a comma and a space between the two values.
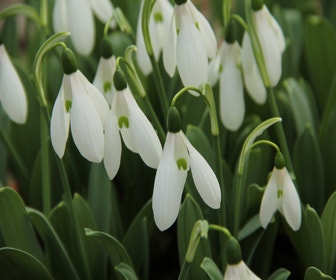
[184, 90]
[221, 229]
[184, 271]
[237, 203]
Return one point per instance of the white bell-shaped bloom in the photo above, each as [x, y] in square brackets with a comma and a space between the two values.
[178, 157]
[227, 68]
[280, 194]
[137, 132]
[81, 105]
[158, 27]
[239, 271]
[12, 93]
[189, 43]
[272, 43]
[77, 17]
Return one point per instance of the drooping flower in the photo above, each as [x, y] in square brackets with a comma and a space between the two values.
[76, 16]
[137, 132]
[272, 43]
[81, 105]
[12, 93]
[189, 43]
[236, 268]
[178, 157]
[158, 27]
[280, 194]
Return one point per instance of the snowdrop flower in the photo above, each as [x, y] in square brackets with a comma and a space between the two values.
[80, 104]
[280, 194]
[158, 27]
[137, 132]
[272, 44]
[237, 269]
[178, 157]
[227, 68]
[76, 16]
[12, 93]
[189, 43]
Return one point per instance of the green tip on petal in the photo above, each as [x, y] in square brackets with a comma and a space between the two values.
[182, 164]
[180, 2]
[106, 50]
[230, 32]
[173, 120]
[123, 122]
[257, 5]
[279, 161]
[233, 251]
[119, 80]
[69, 62]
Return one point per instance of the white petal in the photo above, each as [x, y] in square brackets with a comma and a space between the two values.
[12, 93]
[215, 68]
[145, 139]
[103, 9]
[81, 25]
[112, 148]
[168, 187]
[169, 49]
[59, 123]
[208, 36]
[191, 55]
[60, 21]
[253, 81]
[239, 271]
[269, 202]
[291, 205]
[205, 179]
[86, 124]
[165, 9]
[231, 97]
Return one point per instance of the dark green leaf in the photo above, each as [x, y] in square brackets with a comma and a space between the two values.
[126, 271]
[312, 273]
[280, 274]
[211, 269]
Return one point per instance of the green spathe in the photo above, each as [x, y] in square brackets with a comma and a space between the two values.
[119, 80]
[173, 120]
[69, 62]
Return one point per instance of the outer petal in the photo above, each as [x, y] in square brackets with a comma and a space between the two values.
[166, 11]
[252, 77]
[214, 68]
[145, 139]
[169, 49]
[81, 25]
[269, 202]
[60, 21]
[112, 148]
[232, 105]
[205, 179]
[12, 93]
[239, 271]
[86, 124]
[191, 55]
[103, 9]
[168, 187]
[59, 123]
[291, 205]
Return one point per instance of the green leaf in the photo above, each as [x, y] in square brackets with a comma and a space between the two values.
[16, 228]
[126, 271]
[209, 266]
[280, 274]
[57, 258]
[189, 214]
[22, 10]
[112, 246]
[312, 273]
[250, 227]
[17, 264]
[308, 167]
[329, 229]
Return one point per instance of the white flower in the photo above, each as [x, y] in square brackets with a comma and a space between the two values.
[280, 194]
[178, 156]
[137, 132]
[158, 27]
[12, 93]
[272, 44]
[189, 43]
[80, 104]
[239, 271]
[76, 16]
[227, 65]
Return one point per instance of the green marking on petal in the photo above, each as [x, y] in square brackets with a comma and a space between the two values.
[177, 31]
[158, 17]
[280, 194]
[123, 121]
[107, 86]
[221, 68]
[197, 25]
[68, 105]
[182, 163]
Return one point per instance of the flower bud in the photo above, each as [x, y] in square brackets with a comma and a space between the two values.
[173, 120]
[69, 62]
[233, 251]
[119, 80]
[257, 5]
[279, 161]
[106, 50]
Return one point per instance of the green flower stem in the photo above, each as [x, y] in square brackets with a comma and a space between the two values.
[184, 271]
[266, 142]
[221, 229]
[240, 20]
[182, 91]
[280, 132]
[44, 14]
[226, 11]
